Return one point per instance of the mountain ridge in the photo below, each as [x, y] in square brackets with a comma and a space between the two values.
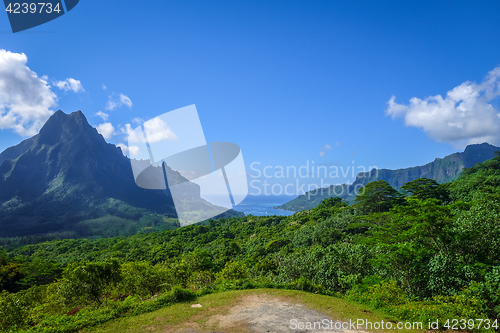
[443, 170]
[67, 174]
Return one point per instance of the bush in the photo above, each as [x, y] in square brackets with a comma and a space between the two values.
[143, 279]
[87, 282]
[89, 317]
[388, 297]
[233, 271]
[14, 311]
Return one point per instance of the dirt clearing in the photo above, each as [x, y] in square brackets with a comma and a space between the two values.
[263, 313]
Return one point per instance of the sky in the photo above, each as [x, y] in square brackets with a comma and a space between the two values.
[391, 84]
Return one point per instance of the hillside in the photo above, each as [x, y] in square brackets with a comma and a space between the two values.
[442, 170]
[418, 259]
[67, 179]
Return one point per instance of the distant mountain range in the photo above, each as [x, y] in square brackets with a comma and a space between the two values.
[442, 170]
[68, 178]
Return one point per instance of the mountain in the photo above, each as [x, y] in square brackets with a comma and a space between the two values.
[68, 178]
[442, 170]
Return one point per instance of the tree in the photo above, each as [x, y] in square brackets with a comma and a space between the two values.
[40, 272]
[88, 281]
[143, 279]
[10, 273]
[425, 188]
[378, 196]
[233, 270]
[331, 202]
[409, 237]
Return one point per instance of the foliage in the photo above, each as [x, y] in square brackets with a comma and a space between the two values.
[388, 296]
[417, 257]
[143, 279]
[378, 196]
[88, 282]
[425, 188]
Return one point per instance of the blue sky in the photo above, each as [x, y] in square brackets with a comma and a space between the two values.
[283, 79]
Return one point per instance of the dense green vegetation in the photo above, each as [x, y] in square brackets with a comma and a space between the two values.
[428, 252]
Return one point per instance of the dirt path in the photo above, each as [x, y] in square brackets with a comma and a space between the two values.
[262, 313]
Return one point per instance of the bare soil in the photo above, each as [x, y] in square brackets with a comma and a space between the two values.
[259, 313]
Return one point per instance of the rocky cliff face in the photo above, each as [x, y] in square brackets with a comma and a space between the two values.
[66, 173]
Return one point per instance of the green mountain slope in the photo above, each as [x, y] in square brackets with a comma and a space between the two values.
[442, 170]
[68, 178]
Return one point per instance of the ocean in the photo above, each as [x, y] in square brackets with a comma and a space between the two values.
[261, 205]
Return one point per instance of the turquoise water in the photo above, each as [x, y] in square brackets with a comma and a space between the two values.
[261, 205]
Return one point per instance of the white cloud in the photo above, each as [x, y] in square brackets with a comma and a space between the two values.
[114, 103]
[111, 104]
[130, 151]
[155, 130]
[106, 130]
[70, 84]
[104, 87]
[133, 136]
[323, 150]
[26, 100]
[464, 116]
[138, 120]
[125, 100]
[103, 115]
[158, 130]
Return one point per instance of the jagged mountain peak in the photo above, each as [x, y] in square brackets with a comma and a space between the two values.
[66, 127]
[67, 165]
[68, 173]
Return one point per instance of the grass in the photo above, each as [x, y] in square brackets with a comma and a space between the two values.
[183, 316]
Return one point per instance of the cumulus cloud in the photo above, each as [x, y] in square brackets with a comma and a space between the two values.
[106, 130]
[158, 130]
[125, 100]
[70, 84]
[130, 151]
[26, 100]
[115, 102]
[464, 116]
[138, 120]
[103, 115]
[155, 130]
[104, 87]
[324, 149]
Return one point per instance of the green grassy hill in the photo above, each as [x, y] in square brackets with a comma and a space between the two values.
[429, 255]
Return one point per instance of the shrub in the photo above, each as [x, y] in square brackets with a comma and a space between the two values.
[88, 282]
[142, 279]
[233, 271]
